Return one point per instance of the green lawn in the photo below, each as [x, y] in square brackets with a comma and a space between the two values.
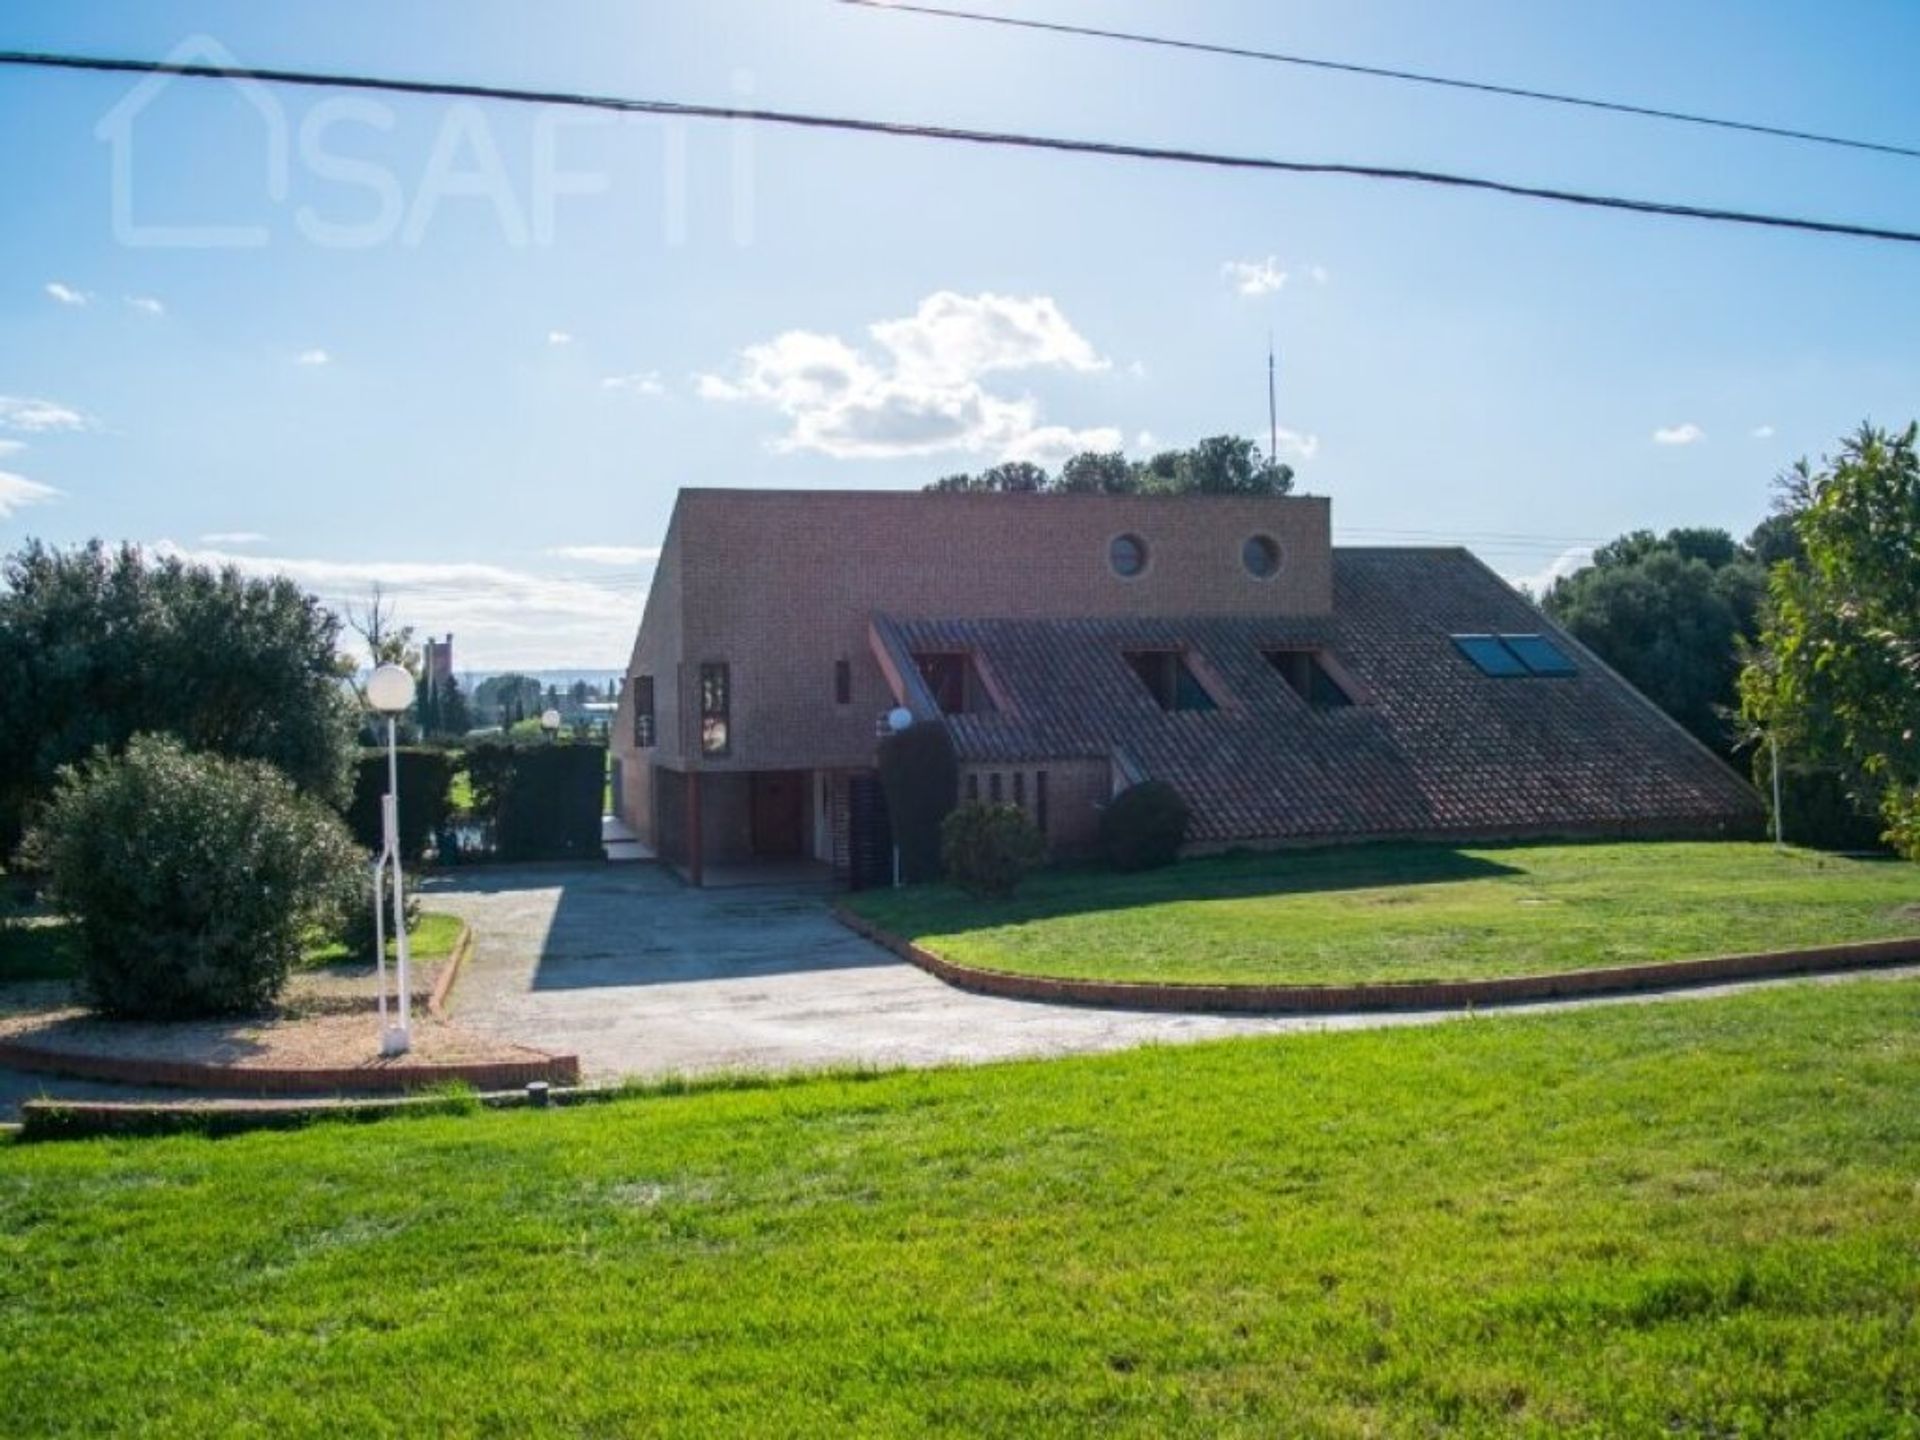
[35, 947]
[1408, 912]
[1697, 1218]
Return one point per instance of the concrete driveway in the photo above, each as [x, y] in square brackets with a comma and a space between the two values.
[641, 976]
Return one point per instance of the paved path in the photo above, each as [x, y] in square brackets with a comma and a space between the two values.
[641, 976]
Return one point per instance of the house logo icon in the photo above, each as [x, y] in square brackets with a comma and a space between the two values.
[119, 128]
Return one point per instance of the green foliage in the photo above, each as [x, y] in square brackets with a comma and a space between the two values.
[1410, 912]
[1693, 1220]
[191, 880]
[1837, 675]
[355, 932]
[920, 776]
[1143, 827]
[988, 849]
[539, 801]
[440, 710]
[505, 700]
[1670, 613]
[1218, 465]
[426, 797]
[98, 645]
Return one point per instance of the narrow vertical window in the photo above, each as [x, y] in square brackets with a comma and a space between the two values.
[716, 708]
[1040, 800]
[993, 787]
[973, 785]
[1020, 788]
[643, 712]
[843, 682]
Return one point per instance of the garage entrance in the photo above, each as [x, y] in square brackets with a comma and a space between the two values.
[777, 802]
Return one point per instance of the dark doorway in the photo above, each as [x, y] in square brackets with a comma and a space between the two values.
[779, 803]
[869, 837]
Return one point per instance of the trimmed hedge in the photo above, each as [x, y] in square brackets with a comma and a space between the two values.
[1143, 827]
[989, 849]
[542, 800]
[426, 797]
[920, 774]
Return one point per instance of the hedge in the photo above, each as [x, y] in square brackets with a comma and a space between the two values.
[542, 800]
[920, 774]
[426, 797]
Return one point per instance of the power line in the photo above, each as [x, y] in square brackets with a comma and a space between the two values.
[994, 138]
[1381, 72]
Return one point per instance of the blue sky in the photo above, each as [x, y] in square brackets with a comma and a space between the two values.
[414, 378]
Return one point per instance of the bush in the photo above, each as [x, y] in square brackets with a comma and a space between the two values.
[356, 928]
[1820, 814]
[987, 849]
[540, 801]
[1143, 827]
[426, 797]
[920, 775]
[192, 880]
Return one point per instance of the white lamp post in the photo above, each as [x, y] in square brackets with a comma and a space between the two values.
[390, 691]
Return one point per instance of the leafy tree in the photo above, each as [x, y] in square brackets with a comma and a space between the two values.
[97, 645]
[440, 710]
[504, 699]
[1094, 472]
[1836, 677]
[1218, 465]
[1231, 465]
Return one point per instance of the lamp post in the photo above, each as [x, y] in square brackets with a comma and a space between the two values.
[390, 691]
[550, 722]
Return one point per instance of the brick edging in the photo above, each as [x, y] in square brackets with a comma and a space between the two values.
[289, 1080]
[443, 983]
[1389, 995]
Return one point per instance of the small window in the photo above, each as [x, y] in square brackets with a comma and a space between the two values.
[643, 712]
[1261, 555]
[1127, 554]
[1539, 654]
[1169, 679]
[1309, 677]
[843, 682]
[955, 684]
[1020, 788]
[993, 787]
[973, 785]
[1492, 658]
[716, 708]
[1040, 800]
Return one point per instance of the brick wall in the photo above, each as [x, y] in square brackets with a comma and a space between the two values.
[1076, 789]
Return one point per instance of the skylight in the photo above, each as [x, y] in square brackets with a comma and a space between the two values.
[1506, 657]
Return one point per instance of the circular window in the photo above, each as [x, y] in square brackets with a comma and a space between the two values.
[1261, 555]
[1127, 554]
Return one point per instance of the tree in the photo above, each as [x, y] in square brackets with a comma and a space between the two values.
[1231, 465]
[1218, 465]
[1836, 676]
[98, 645]
[1094, 472]
[504, 699]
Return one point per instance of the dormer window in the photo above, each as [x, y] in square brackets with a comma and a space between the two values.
[1170, 680]
[954, 681]
[1308, 676]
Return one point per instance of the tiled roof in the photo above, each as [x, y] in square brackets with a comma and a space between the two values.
[1435, 747]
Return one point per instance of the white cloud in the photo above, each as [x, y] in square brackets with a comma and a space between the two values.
[608, 554]
[1145, 441]
[1254, 278]
[232, 537]
[66, 294]
[1318, 274]
[1763, 432]
[559, 337]
[641, 382]
[34, 416]
[17, 492]
[502, 617]
[922, 392]
[146, 305]
[1565, 563]
[1299, 446]
[313, 357]
[9, 447]
[1687, 433]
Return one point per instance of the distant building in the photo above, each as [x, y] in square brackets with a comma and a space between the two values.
[436, 662]
[1076, 644]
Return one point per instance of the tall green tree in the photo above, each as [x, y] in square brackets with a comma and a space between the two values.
[1218, 465]
[99, 645]
[1836, 677]
[1670, 612]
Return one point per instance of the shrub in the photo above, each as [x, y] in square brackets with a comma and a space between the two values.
[192, 880]
[920, 775]
[1143, 827]
[540, 801]
[987, 849]
[426, 797]
[356, 928]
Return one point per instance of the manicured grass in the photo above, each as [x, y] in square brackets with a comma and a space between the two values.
[1407, 912]
[35, 948]
[1694, 1218]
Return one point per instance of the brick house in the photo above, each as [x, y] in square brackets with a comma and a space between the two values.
[1075, 644]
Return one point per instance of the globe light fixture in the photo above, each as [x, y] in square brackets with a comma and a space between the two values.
[550, 722]
[389, 692]
[899, 718]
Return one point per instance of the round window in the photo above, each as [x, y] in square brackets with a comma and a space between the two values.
[1127, 554]
[1261, 555]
